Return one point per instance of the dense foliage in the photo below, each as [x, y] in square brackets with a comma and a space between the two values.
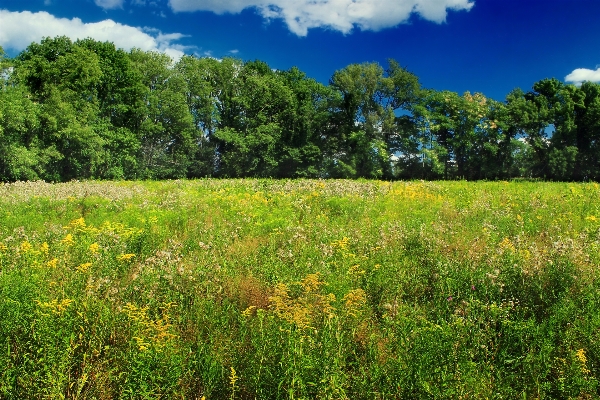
[85, 109]
[299, 289]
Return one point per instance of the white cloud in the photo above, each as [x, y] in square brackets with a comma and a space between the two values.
[20, 29]
[581, 75]
[109, 4]
[340, 15]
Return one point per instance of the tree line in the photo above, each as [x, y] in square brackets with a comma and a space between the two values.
[87, 110]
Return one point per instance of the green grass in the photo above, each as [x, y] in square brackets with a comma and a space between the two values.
[244, 289]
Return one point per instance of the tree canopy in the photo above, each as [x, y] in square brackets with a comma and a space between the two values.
[85, 109]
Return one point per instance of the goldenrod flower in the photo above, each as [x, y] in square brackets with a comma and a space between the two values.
[78, 223]
[355, 270]
[248, 311]
[125, 257]
[55, 306]
[342, 243]
[52, 263]
[68, 240]
[44, 248]
[312, 282]
[94, 248]
[354, 301]
[506, 244]
[3, 247]
[233, 377]
[580, 354]
[83, 267]
[142, 345]
[26, 246]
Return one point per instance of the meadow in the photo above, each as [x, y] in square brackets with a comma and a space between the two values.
[303, 289]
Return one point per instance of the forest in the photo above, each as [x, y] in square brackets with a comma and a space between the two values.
[88, 110]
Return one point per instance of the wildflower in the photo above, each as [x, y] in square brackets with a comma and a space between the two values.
[94, 247]
[125, 257]
[312, 282]
[342, 244]
[248, 311]
[83, 267]
[68, 240]
[44, 248]
[506, 244]
[52, 263]
[449, 298]
[580, 354]
[473, 287]
[591, 218]
[354, 301]
[54, 306]
[78, 223]
[142, 345]
[26, 246]
[233, 377]
[3, 247]
[355, 270]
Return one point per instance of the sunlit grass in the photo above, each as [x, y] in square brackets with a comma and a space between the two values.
[299, 289]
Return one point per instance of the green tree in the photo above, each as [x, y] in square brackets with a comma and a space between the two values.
[166, 127]
[587, 121]
[119, 95]
[548, 118]
[248, 145]
[370, 126]
[62, 78]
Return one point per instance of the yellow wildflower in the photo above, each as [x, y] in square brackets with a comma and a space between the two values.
[3, 247]
[142, 345]
[125, 257]
[44, 248]
[580, 354]
[248, 311]
[233, 378]
[312, 282]
[55, 306]
[83, 267]
[68, 240]
[354, 301]
[78, 223]
[356, 271]
[26, 246]
[94, 248]
[52, 263]
[506, 244]
[342, 243]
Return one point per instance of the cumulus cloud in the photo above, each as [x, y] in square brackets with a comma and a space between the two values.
[20, 29]
[340, 15]
[580, 75]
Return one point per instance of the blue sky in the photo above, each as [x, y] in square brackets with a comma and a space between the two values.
[487, 46]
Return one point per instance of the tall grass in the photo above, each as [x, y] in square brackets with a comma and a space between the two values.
[262, 289]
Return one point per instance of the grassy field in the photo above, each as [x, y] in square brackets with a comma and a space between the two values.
[263, 289]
